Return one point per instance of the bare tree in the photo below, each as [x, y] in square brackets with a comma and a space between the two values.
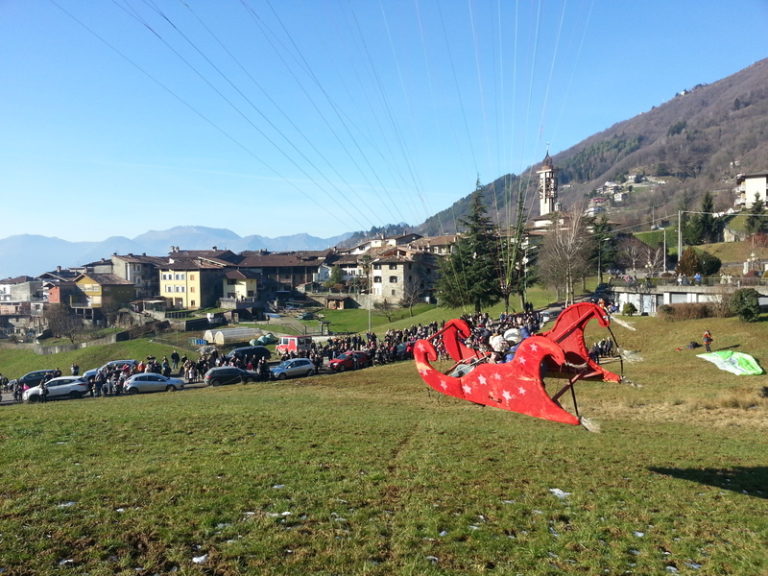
[654, 260]
[631, 254]
[565, 253]
[411, 295]
[385, 309]
[62, 322]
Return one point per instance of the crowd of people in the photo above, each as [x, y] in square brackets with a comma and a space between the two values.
[194, 370]
[497, 336]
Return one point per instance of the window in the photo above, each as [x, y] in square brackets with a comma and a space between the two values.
[192, 289]
[393, 266]
[377, 279]
[377, 266]
[168, 289]
[191, 276]
[179, 276]
[394, 292]
[393, 279]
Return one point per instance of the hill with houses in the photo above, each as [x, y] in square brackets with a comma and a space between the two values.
[662, 160]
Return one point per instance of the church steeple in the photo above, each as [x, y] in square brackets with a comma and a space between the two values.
[547, 186]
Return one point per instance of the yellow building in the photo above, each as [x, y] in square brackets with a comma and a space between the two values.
[100, 292]
[191, 283]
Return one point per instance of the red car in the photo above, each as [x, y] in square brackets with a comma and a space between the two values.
[350, 360]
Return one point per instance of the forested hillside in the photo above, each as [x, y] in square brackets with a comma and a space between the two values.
[696, 142]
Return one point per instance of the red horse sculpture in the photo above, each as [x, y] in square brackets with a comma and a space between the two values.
[517, 385]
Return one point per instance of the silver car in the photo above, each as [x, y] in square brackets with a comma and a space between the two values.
[151, 382]
[295, 367]
[58, 389]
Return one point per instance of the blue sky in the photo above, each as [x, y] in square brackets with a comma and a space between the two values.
[323, 116]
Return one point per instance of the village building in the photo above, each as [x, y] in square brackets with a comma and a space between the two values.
[96, 296]
[751, 187]
[141, 270]
[240, 289]
[191, 283]
[281, 271]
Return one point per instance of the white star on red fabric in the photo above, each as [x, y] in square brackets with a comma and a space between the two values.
[443, 384]
[522, 391]
[467, 389]
[483, 380]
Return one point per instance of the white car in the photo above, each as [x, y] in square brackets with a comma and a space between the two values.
[58, 389]
[151, 382]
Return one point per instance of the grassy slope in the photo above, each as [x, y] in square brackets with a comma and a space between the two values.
[366, 472]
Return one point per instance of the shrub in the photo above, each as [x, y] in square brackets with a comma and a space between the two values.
[685, 311]
[710, 264]
[628, 309]
[746, 304]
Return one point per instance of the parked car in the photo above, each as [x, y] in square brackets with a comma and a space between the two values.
[350, 360]
[295, 367]
[223, 375]
[89, 375]
[151, 382]
[254, 353]
[58, 389]
[31, 379]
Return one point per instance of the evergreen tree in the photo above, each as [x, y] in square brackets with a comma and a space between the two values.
[711, 227]
[756, 220]
[604, 255]
[746, 304]
[689, 262]
[470, 275]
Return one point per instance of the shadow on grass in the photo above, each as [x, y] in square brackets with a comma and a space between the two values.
[733, 347]
[751, 481]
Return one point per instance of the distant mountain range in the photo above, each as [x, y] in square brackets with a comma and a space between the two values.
[33, 254]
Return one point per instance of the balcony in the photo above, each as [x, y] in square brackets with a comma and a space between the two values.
[238, 303]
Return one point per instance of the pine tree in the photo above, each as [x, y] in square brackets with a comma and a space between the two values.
[470, 275]
[755, 220]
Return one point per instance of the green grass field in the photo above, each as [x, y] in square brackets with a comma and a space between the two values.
[368, 472]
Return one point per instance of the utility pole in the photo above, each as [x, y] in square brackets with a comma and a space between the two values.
[679, 234]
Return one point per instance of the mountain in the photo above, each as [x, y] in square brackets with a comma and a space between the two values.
[697, 142]
[33, 254]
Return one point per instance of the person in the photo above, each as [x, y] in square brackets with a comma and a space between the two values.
[708, 340]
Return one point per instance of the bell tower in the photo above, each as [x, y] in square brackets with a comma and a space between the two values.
[547, 186]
